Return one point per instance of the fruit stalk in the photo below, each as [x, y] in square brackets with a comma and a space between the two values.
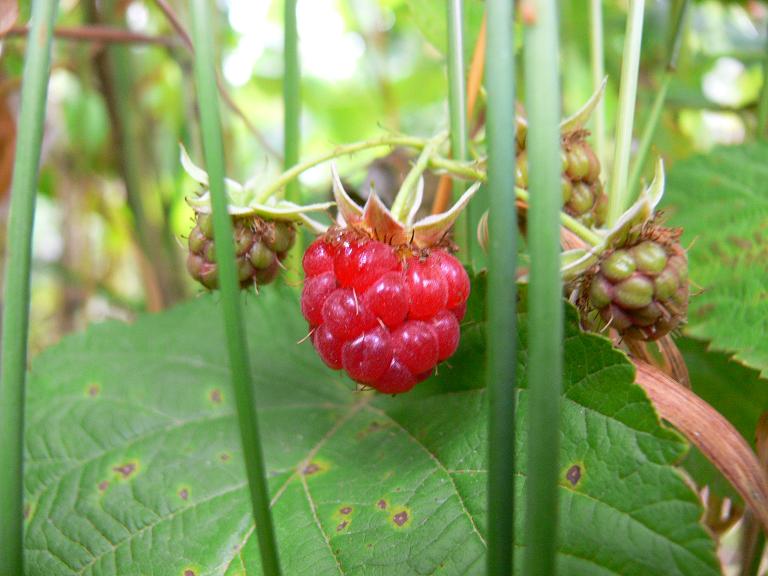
[406, 196]
[619, 194]
[344, 150]
[545, 307]
[17, 291]
[245, 400]
[502, 298]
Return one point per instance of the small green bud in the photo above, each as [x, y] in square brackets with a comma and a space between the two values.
[634, 292]
[205, 222]
[600, 292]
[244, 269]
[578, 163]
[618, 266]
[196, 241]
[283, 237]
[260, 256]
[243, 238]
[582, 198]
[567, 189]
[650, 257]
[666, 283]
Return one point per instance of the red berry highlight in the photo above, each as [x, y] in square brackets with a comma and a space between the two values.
[318, 258]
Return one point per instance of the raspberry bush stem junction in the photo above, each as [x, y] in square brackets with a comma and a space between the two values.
[407, 195]
[277, 187]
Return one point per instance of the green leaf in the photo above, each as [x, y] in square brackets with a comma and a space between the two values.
[738, 393]
[133, 463]
[721, 199]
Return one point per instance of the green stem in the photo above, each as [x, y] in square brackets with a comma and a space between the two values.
[658, 103]
[245, 399]
[286, 177]
[406, 196]
[545, 304]
[470, 172]
[597, 54]
[501, 297]
[458, 113]
[619, 195]
[291, 97]
[762, 107]
[13, 365]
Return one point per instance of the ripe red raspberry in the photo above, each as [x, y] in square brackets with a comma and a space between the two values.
[385, 316]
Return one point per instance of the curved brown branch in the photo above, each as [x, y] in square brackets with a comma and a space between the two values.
[105, 34]
[711, 433]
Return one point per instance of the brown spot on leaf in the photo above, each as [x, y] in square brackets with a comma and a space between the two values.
[704, 310]
[574, 474]
[374, 426]
[310, 469]
[103, 485]
[184, 494]
[341, 526]
[125, 470]
[381, 504]
[740, 242]
[27, 510]
[216, 396]
[224, 456]
[94, 390]
[346, 510]
[400, 518]
[189, 572]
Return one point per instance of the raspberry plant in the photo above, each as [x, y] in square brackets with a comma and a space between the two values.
[368, 411]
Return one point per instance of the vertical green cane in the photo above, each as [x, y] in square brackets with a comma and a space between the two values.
[17, 284]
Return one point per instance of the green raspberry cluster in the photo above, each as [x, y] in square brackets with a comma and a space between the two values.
[260, 246]
[641, 290]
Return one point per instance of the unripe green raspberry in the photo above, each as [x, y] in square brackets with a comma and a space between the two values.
[634, 292]
[581, 200]
[650, 257]
[640, 290]
[578, 163]
[618, 266]
[259, 246]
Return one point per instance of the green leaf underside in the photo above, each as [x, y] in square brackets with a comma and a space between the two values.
[133, 463]
[737, 392]
[721, 199]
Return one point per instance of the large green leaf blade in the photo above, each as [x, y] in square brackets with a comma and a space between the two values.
[721, 200]
[133, 463]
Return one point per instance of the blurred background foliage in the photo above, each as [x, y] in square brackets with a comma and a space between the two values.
[112, 219]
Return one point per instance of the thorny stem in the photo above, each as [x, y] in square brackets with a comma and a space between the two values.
[338, 152]
[106, 34]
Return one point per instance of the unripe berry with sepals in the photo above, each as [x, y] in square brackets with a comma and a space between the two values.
[641, 289]
[260, 246]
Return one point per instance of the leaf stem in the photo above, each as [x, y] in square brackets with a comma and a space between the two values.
[502, 296]
[245, 400]
[652, 123]
[16, 295]
[458, 112]
[343, 150]
[597, 54]
[619, 194]
[545, 304]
